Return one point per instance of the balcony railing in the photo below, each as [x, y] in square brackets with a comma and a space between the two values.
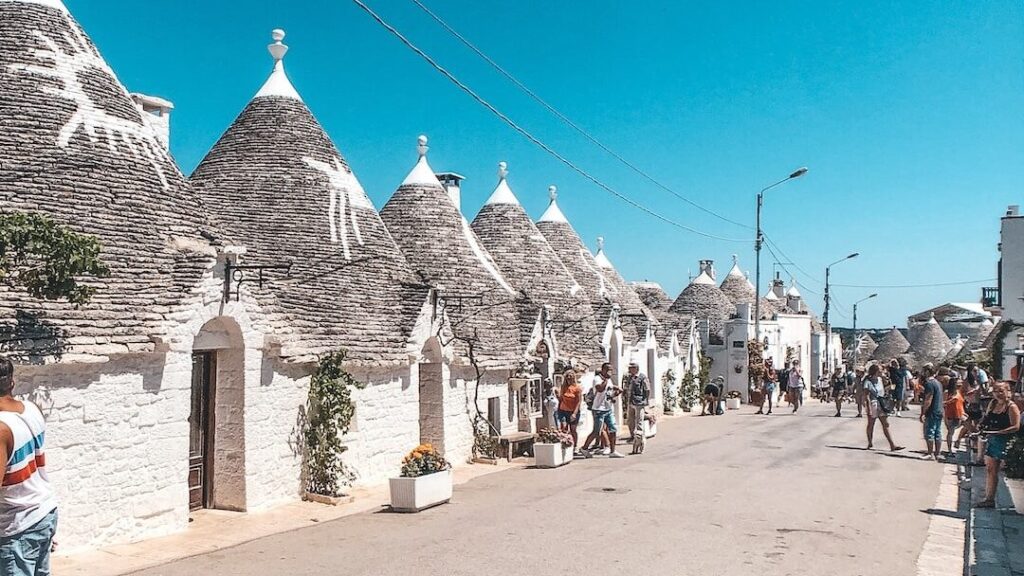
[990, 297]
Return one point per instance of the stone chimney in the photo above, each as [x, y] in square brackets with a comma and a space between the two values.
[709, 267]
[157, 112]
[452, 182]
[1013, 210]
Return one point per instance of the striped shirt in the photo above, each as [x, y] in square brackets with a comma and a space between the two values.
[25, 495]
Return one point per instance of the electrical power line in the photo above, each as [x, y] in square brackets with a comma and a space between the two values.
[935, 285]
[555, 112]
[526, 134]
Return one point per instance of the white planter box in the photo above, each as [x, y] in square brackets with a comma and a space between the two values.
[732, 404]
[551, 455]
[1016, 489]
[650, 430]
[415, 494]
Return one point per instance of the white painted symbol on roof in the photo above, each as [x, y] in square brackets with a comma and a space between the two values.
[344, 190]
[69, 68]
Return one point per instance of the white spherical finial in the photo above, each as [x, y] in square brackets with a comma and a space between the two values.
[277, 49]
[600, 243]
[552, 193]
[502, 170]
[421, 145]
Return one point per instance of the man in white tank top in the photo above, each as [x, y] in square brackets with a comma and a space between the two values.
[28, 506]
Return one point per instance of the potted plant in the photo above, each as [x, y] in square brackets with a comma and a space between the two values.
[1013, 469]
[689, 391]
[426, 481]
[552, 448]
[668, 390]
[732, 401]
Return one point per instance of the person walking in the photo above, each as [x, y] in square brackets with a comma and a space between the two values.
[876, 407]
[602, 403]
[1001, 421]
[796, 386]
[953, 411]
[28, 505]
[898, 377]
[784, 383]
[569, 399]
[768, 386]
[931, 413]
[858, 391]
[839, 389]
[638, 390]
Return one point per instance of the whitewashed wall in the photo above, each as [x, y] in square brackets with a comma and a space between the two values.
[386, 424]
[117, 445]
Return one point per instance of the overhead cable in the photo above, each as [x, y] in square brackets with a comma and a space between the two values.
[556, 113]
[933, 285]
[536, 141]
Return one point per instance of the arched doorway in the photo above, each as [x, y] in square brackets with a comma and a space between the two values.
[216, 476]
[431, 389]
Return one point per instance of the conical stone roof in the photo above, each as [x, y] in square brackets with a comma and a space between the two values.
[653, 296]
[530, 264]
[737, 287]
[929, 343]
[570, 249]
[634, 316]
[705, 302]
[442, 248]
[893, 345]
[74, 147]
[277, 184]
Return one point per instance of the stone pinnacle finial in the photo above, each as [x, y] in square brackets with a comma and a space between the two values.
[421, 146]
[502, 170]
[552, 193]
[600, 243]
[277, 49]
[735, 259]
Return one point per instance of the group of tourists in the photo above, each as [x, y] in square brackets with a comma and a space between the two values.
[959, 398]
[789, 382]
[600, 402]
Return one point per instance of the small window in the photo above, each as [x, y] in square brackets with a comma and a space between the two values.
[737, 343]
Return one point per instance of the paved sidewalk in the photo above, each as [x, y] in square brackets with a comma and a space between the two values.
[996, 546]
[214, 530]
[943, 550]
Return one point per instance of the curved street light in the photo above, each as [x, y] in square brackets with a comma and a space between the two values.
[856, 341]
[759, 239]
[828, 326]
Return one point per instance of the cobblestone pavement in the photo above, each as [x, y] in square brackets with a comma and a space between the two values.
[738, 494]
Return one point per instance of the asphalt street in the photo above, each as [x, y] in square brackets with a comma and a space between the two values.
[738, 494]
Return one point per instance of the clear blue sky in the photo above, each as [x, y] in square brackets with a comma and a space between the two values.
[910, 116]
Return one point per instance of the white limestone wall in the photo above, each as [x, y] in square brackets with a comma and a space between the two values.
[386, 426]
[275, 396]
[1011, 253]
[117, 445]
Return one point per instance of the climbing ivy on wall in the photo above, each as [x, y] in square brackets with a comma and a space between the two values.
[996, 369]
[329, 413]
[47, 259]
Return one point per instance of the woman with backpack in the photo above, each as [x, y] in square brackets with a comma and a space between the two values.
[879, 406]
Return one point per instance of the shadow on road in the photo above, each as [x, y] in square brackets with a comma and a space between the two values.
[946, 513]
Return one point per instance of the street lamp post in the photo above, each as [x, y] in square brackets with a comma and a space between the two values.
[828, 327]
[759, 238]
[856, 341]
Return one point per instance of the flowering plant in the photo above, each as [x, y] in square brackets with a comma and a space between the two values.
[554, 436]
[422, 461]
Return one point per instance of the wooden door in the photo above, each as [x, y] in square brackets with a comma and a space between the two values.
[201, 430]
